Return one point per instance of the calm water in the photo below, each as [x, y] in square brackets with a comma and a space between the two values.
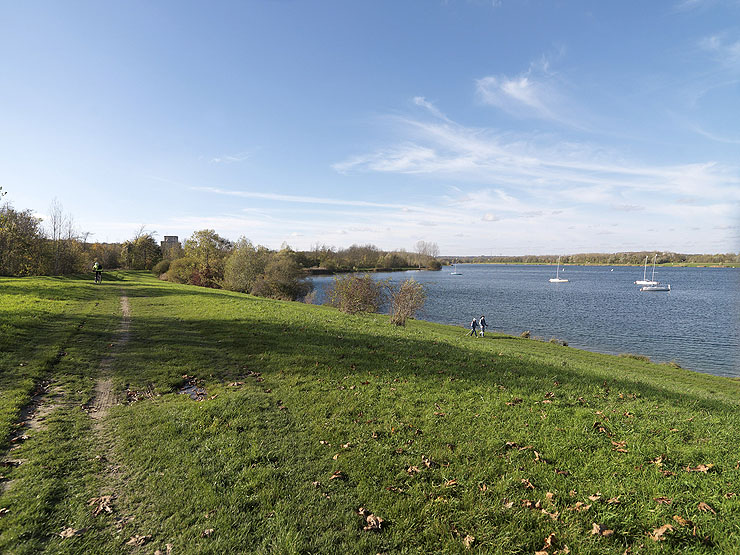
[697, 324]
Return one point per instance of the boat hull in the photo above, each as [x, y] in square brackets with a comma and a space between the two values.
[656, 288]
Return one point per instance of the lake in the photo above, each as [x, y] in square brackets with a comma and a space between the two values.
[696, 324]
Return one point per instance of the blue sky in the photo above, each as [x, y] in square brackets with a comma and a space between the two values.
[488, 127]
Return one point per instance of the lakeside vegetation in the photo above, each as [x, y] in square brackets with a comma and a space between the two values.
[730, 260]
[319, 431]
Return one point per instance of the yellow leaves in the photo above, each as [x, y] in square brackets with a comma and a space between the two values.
[706, 508]
[102, 504]
[601, 530]
[701, 468]
[373, 522]
[658, 533]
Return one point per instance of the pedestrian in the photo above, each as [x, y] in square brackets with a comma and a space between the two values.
[474, 327]
[98, 269]
[482, 325]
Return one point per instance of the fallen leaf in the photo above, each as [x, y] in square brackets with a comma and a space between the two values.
[103, 504]
[514, 401]
[601, 530]
[595, 497]
[429, 463]
[682, 521]
[706, 508]
[580, 507]
[4, 511]
[207, 533]
[468, 541]
[413, 470]
[658, 533]
[338, 475]
[508, 504]
[335, 457]
[549, 543]
[72, 532]
[346, 446]
[729, 495]
[450, 483]
[550, 495]
[527, 484]
[482, 487]
[553, 516]
[373, 522]
[236, 384]
[614, 501]
[662, 500]
[701, 468]
[138, 541]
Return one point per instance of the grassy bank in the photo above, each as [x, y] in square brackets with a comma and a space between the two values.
[305, 415]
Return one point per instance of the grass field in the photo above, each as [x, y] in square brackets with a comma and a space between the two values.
[311, 426]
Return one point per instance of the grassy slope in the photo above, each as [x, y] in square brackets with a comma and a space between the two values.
[354, 394]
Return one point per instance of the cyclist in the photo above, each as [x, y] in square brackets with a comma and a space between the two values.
[98, 272]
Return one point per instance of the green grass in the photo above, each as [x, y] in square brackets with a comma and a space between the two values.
[324, 392]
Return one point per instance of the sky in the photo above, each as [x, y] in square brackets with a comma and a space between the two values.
[499, 127]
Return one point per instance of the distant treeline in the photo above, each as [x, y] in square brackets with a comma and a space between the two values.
[618, 258]
[205, 258]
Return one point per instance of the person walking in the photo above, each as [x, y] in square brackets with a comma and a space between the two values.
[482, 325]
[98, 272]
[474, 327]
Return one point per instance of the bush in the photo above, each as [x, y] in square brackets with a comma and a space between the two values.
[353, 293]
[182, 270]
[283, 279]
[161, 267]
[406, 301]
[244, 266]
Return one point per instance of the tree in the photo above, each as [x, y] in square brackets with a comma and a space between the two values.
[406, 300]
[283, 279]
[353, 293]
[209, 250]
[245, 265]
[142, 252]
[21, 242]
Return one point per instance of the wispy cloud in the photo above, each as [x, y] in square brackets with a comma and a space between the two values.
[231, 158]
[726, 52]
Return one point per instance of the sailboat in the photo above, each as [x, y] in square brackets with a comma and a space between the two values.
[644, 280]
[655, 285]
[557, 278]
[455, 272]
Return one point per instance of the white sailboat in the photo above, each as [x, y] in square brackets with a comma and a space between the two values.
[655, 285]
[644, 280]
[557, 278]
[455, 272]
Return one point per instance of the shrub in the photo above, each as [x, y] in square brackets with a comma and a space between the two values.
[182, 270]
[406, 300]
[283, 279]
[353, 293]
[245, 264]
[161, 267]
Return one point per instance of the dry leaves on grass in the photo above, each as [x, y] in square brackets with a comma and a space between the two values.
[682, 521]
[374, 523]
[527, 484]
[167, 550]
[514, 401]
[595, 497]
[138, 541]
[102, 504]
[701, 468]
[72, 532]
[659, 533]
[4, 511]
[601, 530]
[207, 533]
[662, 500]
[338, 475]
[706, 508]
[580, 507]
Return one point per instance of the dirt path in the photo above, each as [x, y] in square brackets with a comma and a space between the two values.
[105, 397]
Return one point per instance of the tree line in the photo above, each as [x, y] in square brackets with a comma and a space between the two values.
[636, 258]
